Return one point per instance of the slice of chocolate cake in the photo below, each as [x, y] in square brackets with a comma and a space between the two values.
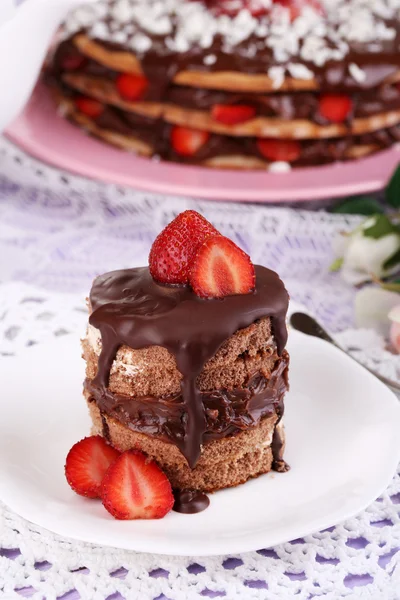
[196, 383]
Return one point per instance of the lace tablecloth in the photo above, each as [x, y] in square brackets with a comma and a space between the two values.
[57, 232]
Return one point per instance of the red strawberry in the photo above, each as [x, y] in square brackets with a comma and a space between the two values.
[73, 62]
[131, 87]
[296, 6]
[231, 114]
[220, 268]
[134, 487]
[175, 247]
[89, 106]
[282, 150]
[86, 464]
[186, 141]
[335, 107]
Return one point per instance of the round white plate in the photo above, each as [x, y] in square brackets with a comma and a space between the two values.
[343, 446]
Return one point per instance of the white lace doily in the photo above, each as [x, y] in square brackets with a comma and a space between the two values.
[57, 232]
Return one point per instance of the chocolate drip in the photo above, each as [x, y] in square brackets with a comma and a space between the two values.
[190, 501]
[106, 429]
[130, 308]
[277, 447]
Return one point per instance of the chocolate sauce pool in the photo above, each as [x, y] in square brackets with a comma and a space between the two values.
[190, 501]
[130, 308]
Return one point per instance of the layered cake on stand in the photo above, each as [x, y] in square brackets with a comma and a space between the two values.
[186, 361]
[249, 84]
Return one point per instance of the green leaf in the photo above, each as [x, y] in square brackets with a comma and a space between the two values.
[336, 265]
[391, 287]
[392, 261]
[392, 193]
[359, 205]
[382, 226]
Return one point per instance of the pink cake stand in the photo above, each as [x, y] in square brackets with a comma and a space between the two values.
[41, 132]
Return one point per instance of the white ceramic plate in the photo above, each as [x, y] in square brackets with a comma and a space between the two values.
[343, 445]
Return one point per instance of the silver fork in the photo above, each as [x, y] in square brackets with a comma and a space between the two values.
[308, 325]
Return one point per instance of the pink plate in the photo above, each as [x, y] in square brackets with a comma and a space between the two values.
[41, 132]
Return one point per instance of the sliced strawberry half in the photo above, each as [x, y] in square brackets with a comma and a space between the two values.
[279, 150]
[73, 62]
[232, 114]
[175, 247]
[131, 87]
[86, 464]
[335, 107]
[89, 106]
[187, 141]
[220, 268]
[134, 487]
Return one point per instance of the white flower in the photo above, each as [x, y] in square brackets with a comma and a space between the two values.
[372, 307]
[365, 251]
[394, 316]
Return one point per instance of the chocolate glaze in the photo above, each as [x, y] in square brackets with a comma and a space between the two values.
[130, 308]
[190, 501]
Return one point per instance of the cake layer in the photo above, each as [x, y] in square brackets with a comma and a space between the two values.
[344, 44]
[153, 371]
[223, 463]
[105, 91]
[68, 62]
[151, 138]
[131, 310]
[226, 411]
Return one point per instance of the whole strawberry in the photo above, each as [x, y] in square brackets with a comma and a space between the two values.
[175, 247]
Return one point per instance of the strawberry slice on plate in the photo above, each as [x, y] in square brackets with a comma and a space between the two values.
[86, 464]
[335, 107]
[220, 268]
[134, 487]
[232, 114]
[131, 87]
[187, 141]
[175, 247]
[89, 106]
[279, 150]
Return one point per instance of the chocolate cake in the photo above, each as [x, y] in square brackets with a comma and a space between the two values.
[234, 83]
[196, 384]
